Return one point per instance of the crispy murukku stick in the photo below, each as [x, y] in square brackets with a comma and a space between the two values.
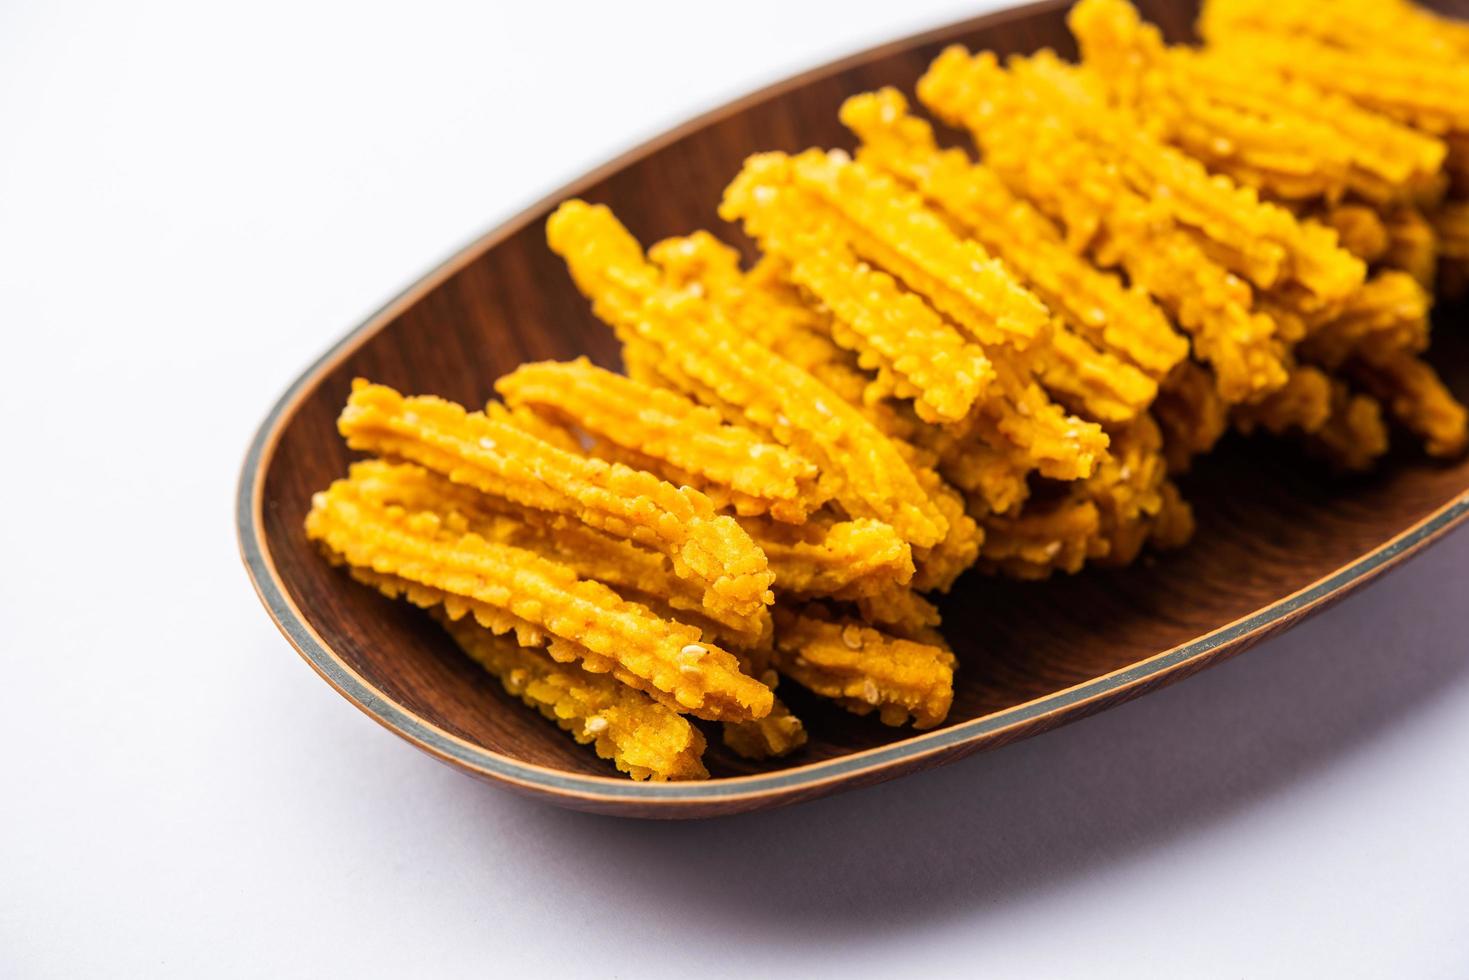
[827, 557]
[543, 428]
[1263, 129]
[764, 304]
[631, 570]
[891, 227]
[1429, 95]
[1256, 239]
[692, 441]
[1360, 229]
[1355, 435]
[1451, 221]
[1190, 413]
[1303, 404]
[705, 355]
[777, 734]
[1130, 492]
[1044, 537]
[506, 461]
[638, 735]
[1368, 26]
[1387, 316]
[939, 566]
[768, 306]
[1417, 399]
[1103, 215]
[1093, 303]
[615, 636]
[1412, 245]
[945, 370]
[865, 670]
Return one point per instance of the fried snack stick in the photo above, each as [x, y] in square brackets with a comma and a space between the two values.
[706, 356]
[1361, 230]
[1045, 537]
[641, 737]
[1354, 436]
[894, 330]
[1451, 222]
[634, 572]
[1416, 398]
[1429, 95]
[505, 461]
[1131, 492]
[1355, 25]
[785, 201]
[778, 733]
[1303, 405]
[1190, 414]
[540, 426]
[827, 557]
[863, 669]
[1108, 518]
[692, 441]
[1260, 241]
[1104, 216]
[1412, 245]
[1386, 317]
[613, 636]
[1262, 129]
[768, 306]
[1092, 303]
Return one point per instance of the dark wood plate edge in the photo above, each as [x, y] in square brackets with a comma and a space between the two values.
[622, 796]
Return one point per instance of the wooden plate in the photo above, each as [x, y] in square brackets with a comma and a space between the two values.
[1277, 540]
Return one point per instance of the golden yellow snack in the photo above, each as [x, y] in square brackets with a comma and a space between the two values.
[1039, 156]
[1191, 415]
[1367, 25]
[1130, 493]
[873, 316]
[1429, 95]
[1355, 435]
[778, 733]
[1045, 537]
[900, 610]
[623, 638]
[1254, 238]
[1386, 317]
[865, 670]
[1261, 128]
[826, 557]
[1361, 230]
[1451, 222]
[506, 461]
[1412, 245]
[695, 444]
[633, 571]
[1303, 404]
[641, 737]
[939, 566]
[543, 428]
[1413, 394]
[891, 227]
[706, 356]
[1093, 303]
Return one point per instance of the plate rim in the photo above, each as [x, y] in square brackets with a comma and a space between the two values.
[619, 793]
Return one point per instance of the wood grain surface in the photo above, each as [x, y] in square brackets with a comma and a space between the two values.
[1270, 525]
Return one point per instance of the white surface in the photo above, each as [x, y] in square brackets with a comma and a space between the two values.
[192, 205]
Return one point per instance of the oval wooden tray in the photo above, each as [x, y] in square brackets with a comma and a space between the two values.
[1276, 541]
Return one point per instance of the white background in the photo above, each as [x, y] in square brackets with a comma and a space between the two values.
[194, 201]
